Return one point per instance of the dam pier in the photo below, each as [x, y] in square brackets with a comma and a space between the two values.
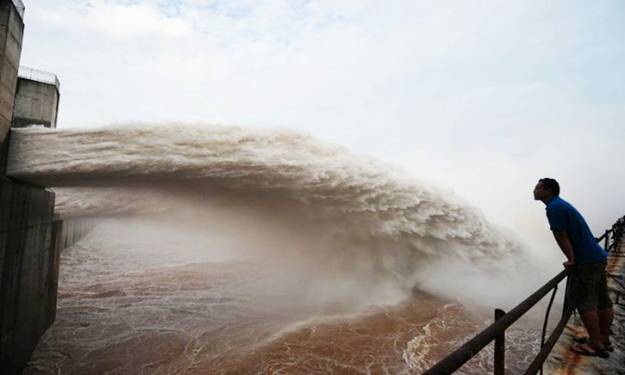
[31, 238]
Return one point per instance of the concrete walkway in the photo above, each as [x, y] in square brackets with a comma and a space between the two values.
[563, 361]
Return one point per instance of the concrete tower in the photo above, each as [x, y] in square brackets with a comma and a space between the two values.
[36, 99]
[29, 250]
[11, 33]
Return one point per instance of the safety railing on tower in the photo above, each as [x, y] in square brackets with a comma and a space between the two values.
[39, 76]
[497, 331]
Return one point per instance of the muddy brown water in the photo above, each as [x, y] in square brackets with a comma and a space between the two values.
[131, 311]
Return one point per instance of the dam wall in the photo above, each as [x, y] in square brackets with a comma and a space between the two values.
[71, 231]
[29, 260]
[11, 33]
[30, 237]
[31, 241]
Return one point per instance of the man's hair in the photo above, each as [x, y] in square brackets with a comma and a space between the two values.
[551, 185]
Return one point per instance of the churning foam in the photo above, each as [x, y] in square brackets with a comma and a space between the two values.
[343, 205]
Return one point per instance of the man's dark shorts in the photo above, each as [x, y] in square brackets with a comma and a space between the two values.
[589, 287]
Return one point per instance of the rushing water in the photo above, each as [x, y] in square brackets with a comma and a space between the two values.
[137, 304]
[229, 250]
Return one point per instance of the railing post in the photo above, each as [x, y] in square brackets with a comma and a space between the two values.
[607, 240]
[565, 304]
[500, 347]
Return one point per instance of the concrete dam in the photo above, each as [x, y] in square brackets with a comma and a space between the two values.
[30, 235]
[193, 248]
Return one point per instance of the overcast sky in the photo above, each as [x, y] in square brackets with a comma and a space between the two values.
[480, 97]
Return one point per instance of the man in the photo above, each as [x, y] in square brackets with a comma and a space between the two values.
[587, 261]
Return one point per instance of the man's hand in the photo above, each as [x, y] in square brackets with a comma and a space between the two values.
[569, 264]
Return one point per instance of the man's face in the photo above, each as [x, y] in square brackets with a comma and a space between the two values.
[540, 192]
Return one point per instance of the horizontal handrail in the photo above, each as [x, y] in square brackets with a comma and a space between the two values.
[462, 355]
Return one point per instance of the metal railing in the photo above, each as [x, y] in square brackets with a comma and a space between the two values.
[39, 76]
[616, 234]
[497, 331]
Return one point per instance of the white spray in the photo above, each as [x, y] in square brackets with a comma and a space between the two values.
[287, 193]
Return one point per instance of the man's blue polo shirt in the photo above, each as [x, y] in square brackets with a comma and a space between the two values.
[563, 216]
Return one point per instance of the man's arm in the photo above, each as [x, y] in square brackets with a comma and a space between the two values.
[565, 245]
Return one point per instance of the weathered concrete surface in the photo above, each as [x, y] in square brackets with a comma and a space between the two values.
[29, 263]
[72, 230]
[4, 154]
[35, 103]
[11, 33]
[29, 236]
[565, 362]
